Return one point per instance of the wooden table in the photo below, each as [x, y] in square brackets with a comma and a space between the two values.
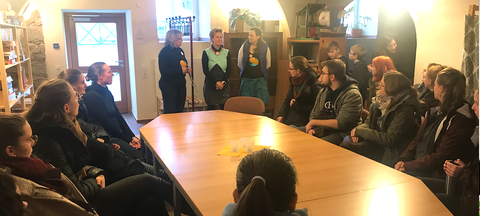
[332, 180]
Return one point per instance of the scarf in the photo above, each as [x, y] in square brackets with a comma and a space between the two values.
[297, 81]
[217, 52]
[37, 171]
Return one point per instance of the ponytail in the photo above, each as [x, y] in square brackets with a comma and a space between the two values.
[254, 200]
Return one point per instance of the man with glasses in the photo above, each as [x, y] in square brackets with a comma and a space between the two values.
[338, 105]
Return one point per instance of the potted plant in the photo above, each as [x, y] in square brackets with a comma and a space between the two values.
[244, 15]
[361, 21]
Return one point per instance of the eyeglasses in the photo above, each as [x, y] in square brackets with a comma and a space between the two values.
[34, 139]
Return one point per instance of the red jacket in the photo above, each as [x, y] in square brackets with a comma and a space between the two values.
[451, 143]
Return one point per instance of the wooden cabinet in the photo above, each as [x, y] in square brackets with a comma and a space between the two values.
[233, 42]
[314, 50]
[20, 71]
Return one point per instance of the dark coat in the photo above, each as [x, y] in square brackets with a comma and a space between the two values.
[61, 148]
[452, 142]
[362, 75]
[299, 112]
[399, 127]
[469, 178]
[103, 112]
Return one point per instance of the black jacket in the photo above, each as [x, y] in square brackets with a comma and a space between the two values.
[362, 75]
[103, 112]
[299, 112]
[169, 65]
[61, 148]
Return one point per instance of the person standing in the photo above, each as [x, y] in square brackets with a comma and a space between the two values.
[254, 59]
[173, 66]
[216, 64]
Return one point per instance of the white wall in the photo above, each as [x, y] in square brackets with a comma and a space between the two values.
[440, 28]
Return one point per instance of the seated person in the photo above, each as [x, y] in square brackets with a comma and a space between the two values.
[445, 133]
[11, 203]
[429, 81]
[32, 175]
[62, 143]
[338, 105]
[301, 94]
[379, 66]
[266, 184]
[333, 52]
[390, 126]
[77, 80]
[360, 70]
[102, 109]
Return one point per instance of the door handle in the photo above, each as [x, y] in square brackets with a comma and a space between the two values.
[119, 61]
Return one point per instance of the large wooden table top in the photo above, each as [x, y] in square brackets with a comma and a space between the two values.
[332, 180]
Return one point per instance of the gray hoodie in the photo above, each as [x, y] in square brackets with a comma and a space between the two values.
[347, 106]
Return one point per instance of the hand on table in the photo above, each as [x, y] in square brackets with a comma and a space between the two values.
[280, 119]
[399, 166]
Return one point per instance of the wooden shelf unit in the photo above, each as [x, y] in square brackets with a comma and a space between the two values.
[24, 89]
[233, 42]
[314, 49]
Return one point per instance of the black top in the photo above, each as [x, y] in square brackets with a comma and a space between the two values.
[169, 64]
[103, 112]
[252, 67]
[345, 60]
[362, 75]
[207, 73]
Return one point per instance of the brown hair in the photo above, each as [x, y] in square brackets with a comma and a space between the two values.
[454, 85]
[358, 50]
[337, 68]
[332, 45]
[258, 32]
[301, 63]
[95, 70]
[11, 129]
[215, 31]
[47, 107]
[432, 72]
[257, 198]
[396, 82]
[70, 75]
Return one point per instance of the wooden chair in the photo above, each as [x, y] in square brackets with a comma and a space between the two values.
[248, 105]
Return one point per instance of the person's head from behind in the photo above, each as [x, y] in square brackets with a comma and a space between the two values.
[332, 71]
[174, 38]
[357, 52]
[100, 73]
[298, 66]
[475, 104]
[17, 138]
[431, 75]
[56, 103]
[255, 35]
[216, 36]
[266, 182]
[393, 83]
[11, 203]
[449, 88]
[379, 66]
[75, 78]
[333, 50]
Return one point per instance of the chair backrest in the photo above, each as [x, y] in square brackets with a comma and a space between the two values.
[248, 105]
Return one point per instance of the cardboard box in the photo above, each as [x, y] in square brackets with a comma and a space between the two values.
[241, 26]
[271, 26]
[8, 43]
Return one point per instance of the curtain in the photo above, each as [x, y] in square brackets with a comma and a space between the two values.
[470, 55]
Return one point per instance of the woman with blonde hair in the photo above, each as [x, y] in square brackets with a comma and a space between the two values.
[216, 64]
[173, 66]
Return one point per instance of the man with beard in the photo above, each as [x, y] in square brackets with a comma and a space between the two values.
[338, 106]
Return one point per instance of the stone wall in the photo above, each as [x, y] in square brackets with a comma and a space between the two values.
[36, 44]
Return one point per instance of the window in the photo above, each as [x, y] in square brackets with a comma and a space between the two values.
[172, 8]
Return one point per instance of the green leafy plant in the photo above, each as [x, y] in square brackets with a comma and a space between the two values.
[252, 19]
[360, 21]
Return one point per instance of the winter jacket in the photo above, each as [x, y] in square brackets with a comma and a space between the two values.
[61, 148]
[452, 141]
[43, 201]
[347, 106]
[469, 178]
[362, 75]
[298, 113]
[103, 112]
[169, 65]
[398, 127]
